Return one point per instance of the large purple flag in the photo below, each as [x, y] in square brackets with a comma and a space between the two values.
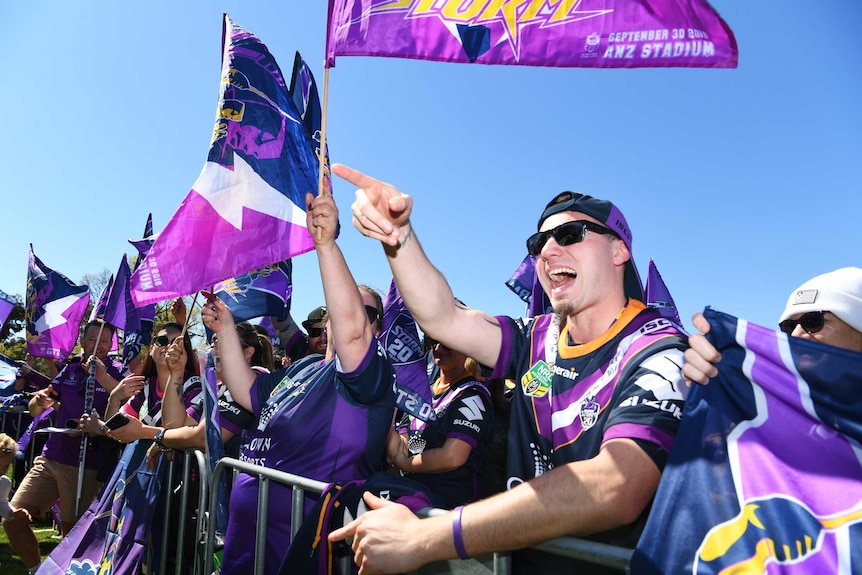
[113, 533]
[260, 292]
[658, 296]
[306, 98]
[246, 209]
[570, 33]
[765, 475]
[7, 303]
[136, 323]
[54, 310]
[400, 339]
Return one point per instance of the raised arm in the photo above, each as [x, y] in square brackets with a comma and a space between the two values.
[235, 372]
[349, 329]
[173, 409]
[382, 212]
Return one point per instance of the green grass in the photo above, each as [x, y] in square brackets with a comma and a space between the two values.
[46, 534]
[10, 563]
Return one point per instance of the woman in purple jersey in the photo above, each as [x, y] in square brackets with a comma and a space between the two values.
[449, 454]
[323, 419]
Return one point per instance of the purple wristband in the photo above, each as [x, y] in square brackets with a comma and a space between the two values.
[457, 534]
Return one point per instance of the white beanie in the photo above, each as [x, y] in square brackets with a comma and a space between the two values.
[839, 292]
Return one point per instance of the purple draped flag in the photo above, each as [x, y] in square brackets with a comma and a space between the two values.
[215, 447]
[765, 474]
[112, 535]
[246, 209]
[8, 372]
[400, 339]
[570, 33]
[98, 311]
[257, 293]
[658, 296]
[54, 310]
[266, 323]
[7, 303]
[137, 324]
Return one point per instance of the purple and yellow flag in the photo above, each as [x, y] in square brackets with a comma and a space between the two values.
[246, 209]
[7, 304]
[571, 33]
[400, 339]
[54, 310]
[658, 296]
[765, 475]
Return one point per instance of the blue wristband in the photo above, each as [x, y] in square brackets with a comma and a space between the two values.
[457, 534]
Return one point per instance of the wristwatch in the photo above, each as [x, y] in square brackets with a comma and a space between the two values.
[160, 434]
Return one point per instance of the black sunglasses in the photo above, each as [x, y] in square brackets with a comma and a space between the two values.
[316, 331]
[163, 340]
[811, 322]
[373, 314]
[565, 235]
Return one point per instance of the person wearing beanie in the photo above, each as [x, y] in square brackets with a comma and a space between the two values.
[827, 309]
[586, 444]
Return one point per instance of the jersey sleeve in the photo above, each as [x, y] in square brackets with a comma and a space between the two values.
[372, 381]
[470, 416]
[649, 405]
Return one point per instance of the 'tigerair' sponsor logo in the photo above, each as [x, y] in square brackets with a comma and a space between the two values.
[567, 373]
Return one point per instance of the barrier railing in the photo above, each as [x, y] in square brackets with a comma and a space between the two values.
[497, 563]
[169, 489]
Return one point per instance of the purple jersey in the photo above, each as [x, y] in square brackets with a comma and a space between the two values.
[70, 385]
[462, 412]
[315, 422]
[570, 399]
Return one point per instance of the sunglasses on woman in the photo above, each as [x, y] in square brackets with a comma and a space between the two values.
[811, 322]
[163, 340]
[565, 235]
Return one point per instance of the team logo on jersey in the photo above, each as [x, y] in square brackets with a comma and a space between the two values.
[589, 412]
[537, 381]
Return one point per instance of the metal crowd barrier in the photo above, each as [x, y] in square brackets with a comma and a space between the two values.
[496, 563]
[169, 489]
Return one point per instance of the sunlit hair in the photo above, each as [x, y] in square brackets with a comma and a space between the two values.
[7, 445]
[149, 368]
[471, 366]
[251, 336]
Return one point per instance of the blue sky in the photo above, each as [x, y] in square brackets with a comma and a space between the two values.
[741, 184]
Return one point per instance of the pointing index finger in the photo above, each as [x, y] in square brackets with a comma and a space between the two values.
[355, 177]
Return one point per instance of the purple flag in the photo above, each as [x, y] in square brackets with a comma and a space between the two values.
[143, 245]
[400, 339]
[98, 311]
[136, 323]
[7, 304]
[215, 448]
[8, 372]
[246, 209]
[765, 474]
[112, 535]
[574, 33]
[260, 292]
[658, 296]
[54, 310]
[525, 283]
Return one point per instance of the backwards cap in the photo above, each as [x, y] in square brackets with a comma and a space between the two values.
[609, 215]
[315, 316]
[838, 292]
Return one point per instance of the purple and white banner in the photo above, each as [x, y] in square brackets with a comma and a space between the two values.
[7, 303]
[247, 208]
[570, 33]
[53, 312]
